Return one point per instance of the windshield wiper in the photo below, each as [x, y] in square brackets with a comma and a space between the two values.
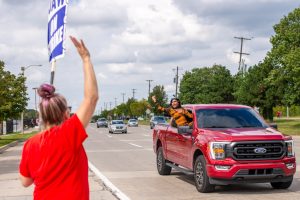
[216, 127]
[247, 126]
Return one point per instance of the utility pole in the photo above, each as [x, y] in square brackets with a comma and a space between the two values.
[149, 87]
[176, 80]
[133, 92]
[115, 102]
[110, 105]
[241, 52]
[123, 94]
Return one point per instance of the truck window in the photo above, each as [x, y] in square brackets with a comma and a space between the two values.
[229, 118]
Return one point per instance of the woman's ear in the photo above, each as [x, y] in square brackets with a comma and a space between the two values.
[67, 114]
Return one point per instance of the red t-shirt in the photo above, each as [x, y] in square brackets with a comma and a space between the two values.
[56, 160]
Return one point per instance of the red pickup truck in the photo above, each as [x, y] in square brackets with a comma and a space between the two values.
[227, 144]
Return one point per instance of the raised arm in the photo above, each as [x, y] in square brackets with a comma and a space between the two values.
[87, 107]
[159, 107]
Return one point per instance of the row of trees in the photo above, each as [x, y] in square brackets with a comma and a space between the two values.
[134, 108]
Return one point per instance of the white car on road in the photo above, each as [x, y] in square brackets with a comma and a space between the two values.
[117, 126]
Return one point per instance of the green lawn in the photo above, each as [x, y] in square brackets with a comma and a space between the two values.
[6, 139]
[288, 126]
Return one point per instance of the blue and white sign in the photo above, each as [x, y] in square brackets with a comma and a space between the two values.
[57, 28]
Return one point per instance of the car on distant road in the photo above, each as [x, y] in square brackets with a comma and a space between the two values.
[117, 126]
[157, 120]
[102, 122]
[133, 122]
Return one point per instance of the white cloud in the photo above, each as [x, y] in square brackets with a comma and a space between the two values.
[102, 76]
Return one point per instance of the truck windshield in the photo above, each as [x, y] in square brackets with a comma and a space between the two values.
[229, 118]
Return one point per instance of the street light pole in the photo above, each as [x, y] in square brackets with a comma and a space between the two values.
[36, 111]
[22, 114]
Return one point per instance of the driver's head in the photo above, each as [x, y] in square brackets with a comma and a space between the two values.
[175, 103]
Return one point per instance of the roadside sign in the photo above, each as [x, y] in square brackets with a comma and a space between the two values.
[57, 28]
[148, 111]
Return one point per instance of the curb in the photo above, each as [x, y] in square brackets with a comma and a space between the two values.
[12, 144]
[111, 187]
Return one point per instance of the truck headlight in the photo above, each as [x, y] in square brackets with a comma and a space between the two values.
[218, 150]
[290, 151]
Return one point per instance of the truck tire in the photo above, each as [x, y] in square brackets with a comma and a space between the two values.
[200, 176]
[281, 185]
[162, 168]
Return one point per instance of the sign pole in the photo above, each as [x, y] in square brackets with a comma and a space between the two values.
[53, 66]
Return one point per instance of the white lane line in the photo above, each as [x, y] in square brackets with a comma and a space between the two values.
[146, 135]
[136, 145]
[109, 136]
[108, 184]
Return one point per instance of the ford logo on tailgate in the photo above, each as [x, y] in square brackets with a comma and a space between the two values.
[260, 150]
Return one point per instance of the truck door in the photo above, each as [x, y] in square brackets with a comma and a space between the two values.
[171, 140]
[185, 142]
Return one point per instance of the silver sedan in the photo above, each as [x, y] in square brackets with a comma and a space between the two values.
[117, 126]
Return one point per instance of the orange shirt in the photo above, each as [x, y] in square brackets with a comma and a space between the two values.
[56, 161]
[179, 117]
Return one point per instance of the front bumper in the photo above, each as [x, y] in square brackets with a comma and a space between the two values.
[119, 130]
[251, 173]
[102, 125]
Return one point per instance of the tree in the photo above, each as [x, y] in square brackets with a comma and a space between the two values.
[284, 56]
[254, 89]
[161, 97]
[138, 108]
[128, 105]
[207, 85]
[122, 110]
[13, 99]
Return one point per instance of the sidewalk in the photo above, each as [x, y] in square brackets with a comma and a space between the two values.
[10, 186]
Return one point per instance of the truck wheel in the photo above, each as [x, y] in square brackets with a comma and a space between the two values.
[200, 176]
[281, 185]
[162, 168]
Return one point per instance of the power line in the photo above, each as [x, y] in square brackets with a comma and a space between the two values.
[241, 53]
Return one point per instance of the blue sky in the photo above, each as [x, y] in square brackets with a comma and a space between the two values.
[132, 41]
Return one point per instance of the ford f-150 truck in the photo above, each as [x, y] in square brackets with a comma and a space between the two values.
[227, 144]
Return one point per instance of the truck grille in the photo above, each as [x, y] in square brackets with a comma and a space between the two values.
[257, 150]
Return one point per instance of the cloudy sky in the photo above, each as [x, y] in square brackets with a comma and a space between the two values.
[132, 41]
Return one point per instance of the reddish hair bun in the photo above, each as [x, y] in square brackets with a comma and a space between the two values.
[46, 91]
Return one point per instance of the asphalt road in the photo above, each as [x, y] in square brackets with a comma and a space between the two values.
[128, 162]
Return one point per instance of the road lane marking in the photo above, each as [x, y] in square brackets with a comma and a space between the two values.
[118, 150]
[145, 140]
[136, 145]
[108, 184]
[146, 135]
[109, 136]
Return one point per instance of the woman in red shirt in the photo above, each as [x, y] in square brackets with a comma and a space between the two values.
[55, 160]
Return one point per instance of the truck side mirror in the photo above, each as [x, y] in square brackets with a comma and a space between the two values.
[184, 130]
[273, 125]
